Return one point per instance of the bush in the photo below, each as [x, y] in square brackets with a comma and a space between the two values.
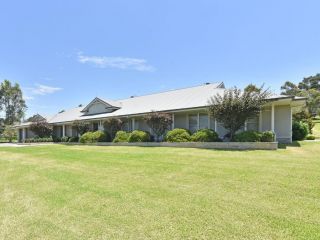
[205, 135]
[93, 137]
[74, 139]
[121, 136]
[248, 136]
[310, 137]
[178, 135]
[64, 139]
[299, 130]
[38, 140]
[267, 136]
[139, 136]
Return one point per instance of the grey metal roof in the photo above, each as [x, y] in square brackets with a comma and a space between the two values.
[186, 98]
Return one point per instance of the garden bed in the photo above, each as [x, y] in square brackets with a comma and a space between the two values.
[205, 145]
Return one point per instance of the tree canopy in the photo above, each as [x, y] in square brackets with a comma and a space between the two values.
[309, 87]
[234, 107]
[11, 102]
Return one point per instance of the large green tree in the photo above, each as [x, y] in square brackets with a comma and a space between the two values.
[309, 87]
[11, 102]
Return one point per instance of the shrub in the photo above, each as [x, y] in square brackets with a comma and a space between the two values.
[205, 135]
[178, 135]
[248, 136]
[56, 138]
[267, 136]
[93, 137]
[41, 128]
[9, 133]
[299, 130]
[310, 137]
[139, 136]
[73, 139]
[64, 139]
[38, 140]
[113, 125]
[121, 136]
[159, 122]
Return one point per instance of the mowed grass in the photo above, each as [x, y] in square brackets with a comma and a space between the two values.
[89, 192]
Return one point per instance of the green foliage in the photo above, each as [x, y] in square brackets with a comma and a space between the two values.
[309, 87]
[38, 140]
[112, 126]
[267, 136]
[178, 135]
[93, 137]
[310, 137]
[234, 107]
[139, 136]
[65, 139]
[248, 136]
[11, 102]
[299, 130]
[41, 128]
[205, 135]
[305, 117]
[9, 133]
[159, 123]
[121, 136]
[74, 139]
[81, 126]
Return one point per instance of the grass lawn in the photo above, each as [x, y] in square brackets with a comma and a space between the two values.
[88, 192]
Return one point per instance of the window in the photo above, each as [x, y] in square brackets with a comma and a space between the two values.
[203, 121]
[95, 126]
[193, 122]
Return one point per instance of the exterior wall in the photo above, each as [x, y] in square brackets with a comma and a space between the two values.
[57, 131]
[140, 124]
[282, 122]
[69, 130]
[266, 119]
[29, 133]
[180, 120]
[98, 108]
[282, 126]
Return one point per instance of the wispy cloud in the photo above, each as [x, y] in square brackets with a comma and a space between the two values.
[40, 89]
[117, 62]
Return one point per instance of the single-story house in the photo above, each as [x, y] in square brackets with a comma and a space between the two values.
[188, 107]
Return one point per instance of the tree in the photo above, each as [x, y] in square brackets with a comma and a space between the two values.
[81, 126]
[41, 129]
[11, 102]
[112, 126]
[9, 133]
[252, 88]
[234, 107]
[159, 123]
[309, 87]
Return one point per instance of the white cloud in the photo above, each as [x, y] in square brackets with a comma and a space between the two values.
[44, 90]
[117, 62]
[28, 97]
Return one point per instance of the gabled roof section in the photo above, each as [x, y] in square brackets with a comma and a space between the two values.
[110, 104]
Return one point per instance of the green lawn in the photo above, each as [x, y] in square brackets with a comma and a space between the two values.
[88, 192]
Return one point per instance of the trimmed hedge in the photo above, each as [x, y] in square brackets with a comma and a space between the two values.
[248, 136]
[38, 140]
[139, 136]
[93, 137]
[299, 130]
[267, 136]
[121, 136]
[310, 137]
[73, 139]
[205, 135]
[178, 135]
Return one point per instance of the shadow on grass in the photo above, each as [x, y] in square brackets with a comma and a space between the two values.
[293, 144]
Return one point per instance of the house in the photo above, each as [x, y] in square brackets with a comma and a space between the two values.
[188, 107]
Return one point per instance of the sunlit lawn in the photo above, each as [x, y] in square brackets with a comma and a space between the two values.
[87, 192]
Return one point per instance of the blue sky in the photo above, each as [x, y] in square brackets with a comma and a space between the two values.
[64, 53]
